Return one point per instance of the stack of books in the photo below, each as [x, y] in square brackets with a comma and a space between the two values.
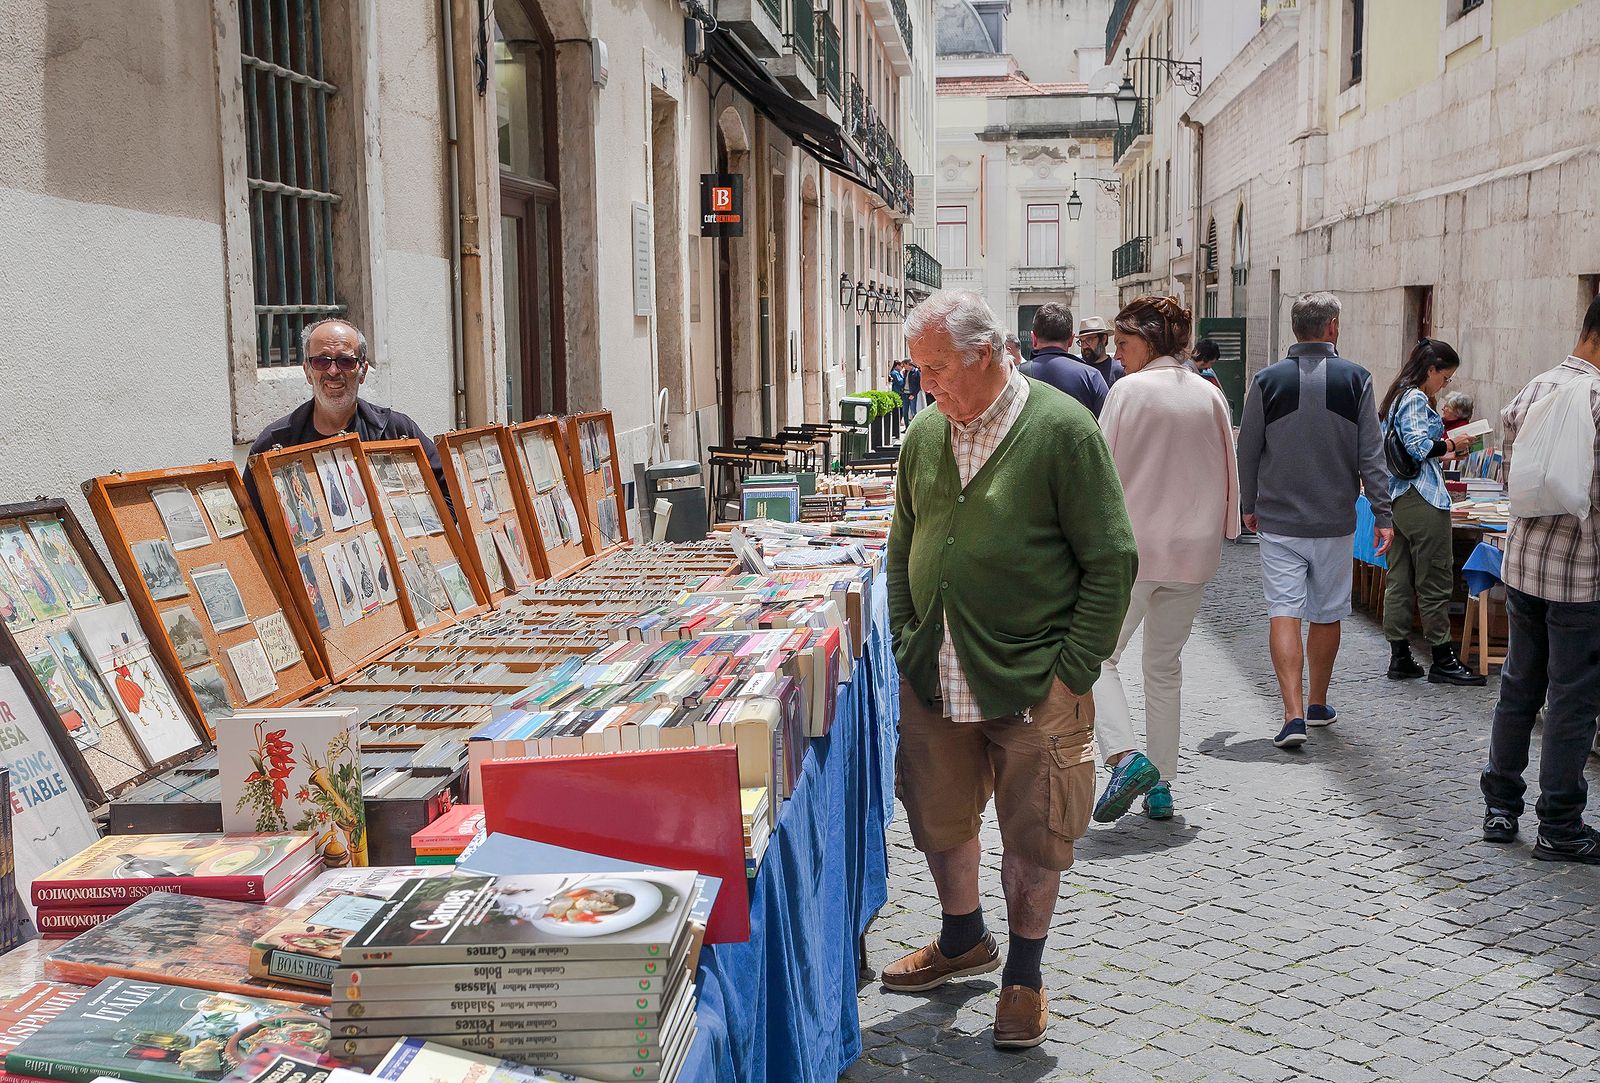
[442, 841]
[118, 870]
[757, 827]
[301, 946]
[584, 973]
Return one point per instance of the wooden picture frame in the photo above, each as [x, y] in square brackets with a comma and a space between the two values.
[592, 449]
[461, 451]
[127, 513]
[116, 763]
[567, 554]
[444, 547]
[304, 504]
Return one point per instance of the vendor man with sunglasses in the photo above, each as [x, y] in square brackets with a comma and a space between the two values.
[334, 357]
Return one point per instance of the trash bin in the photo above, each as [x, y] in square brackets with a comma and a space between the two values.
[679, 483]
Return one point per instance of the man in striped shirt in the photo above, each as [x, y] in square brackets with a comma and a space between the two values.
[1552, 577]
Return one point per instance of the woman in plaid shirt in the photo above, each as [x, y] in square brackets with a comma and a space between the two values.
[1420, 556]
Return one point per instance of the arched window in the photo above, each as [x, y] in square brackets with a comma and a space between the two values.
[530, 211]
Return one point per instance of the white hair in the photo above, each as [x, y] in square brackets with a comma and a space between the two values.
[963, 316]
[305, 336]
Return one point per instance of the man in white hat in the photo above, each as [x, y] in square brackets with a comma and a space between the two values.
[1093, 339]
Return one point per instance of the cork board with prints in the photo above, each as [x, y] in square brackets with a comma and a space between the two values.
[334, 548]
[420, 521]
[592, 449]
[238, 577]
[36, 642]
[489, 505]
[553, 494]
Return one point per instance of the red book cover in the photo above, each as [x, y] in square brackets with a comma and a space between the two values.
[123, 868]
[60, 924]
[31, 1009]
[450, 833]
[676, 808]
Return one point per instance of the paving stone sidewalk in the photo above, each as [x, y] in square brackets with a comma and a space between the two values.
[1330, 915]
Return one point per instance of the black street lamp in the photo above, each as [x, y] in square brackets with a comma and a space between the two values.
[846, 293]
[862, 296]
[1127, 100]
[1074, 204]
[1184, 72]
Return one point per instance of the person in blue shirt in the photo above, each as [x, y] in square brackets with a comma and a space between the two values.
[1420, 566]
[897, 384]
[1094, 346]
[913, 387]
[1053, 363]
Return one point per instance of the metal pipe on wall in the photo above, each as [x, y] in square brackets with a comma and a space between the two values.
[458, 360]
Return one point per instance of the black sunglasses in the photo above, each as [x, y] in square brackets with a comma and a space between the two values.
[347, 362]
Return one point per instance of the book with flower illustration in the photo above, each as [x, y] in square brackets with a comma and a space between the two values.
[160, 1033]
[302, 946]
[295, 769]
[179, 940]
[123, 868]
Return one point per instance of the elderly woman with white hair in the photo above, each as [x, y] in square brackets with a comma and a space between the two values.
[1010, 562]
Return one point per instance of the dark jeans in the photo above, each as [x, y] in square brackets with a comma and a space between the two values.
[1553, 661]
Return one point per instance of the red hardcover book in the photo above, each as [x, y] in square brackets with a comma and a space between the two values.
[677, 808]
[124, 868]
[63, 924]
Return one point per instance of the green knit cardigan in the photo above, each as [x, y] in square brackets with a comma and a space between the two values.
[1031, 564]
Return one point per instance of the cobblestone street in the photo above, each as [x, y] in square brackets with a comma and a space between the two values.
[1328, 915]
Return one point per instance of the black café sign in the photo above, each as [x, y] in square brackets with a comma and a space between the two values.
[721, 205]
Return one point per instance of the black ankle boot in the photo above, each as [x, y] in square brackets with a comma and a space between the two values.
[1402, 667]
[1447, 668]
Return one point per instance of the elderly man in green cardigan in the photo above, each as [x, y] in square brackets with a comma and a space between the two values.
[1010, 563]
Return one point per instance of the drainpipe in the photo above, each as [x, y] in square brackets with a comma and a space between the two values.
[1197, 304]
[458, 360]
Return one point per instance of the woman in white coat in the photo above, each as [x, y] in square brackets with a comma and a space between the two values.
[1171, 436]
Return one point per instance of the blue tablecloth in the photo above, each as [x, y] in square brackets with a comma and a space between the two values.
[1482, 569]
[1365, 548]
[783, 1005]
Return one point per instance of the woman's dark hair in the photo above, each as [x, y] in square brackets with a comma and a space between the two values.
[1161, 321]
[1207, 350]
[1591, 321]
[1427, 354]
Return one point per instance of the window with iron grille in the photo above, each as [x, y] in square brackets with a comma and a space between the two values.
[287, 99]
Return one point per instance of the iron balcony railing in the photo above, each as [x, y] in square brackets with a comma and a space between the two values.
[832, 77]
[1127, 133]
[863, 125]
[1131, 258]
[922, 267]
[803, 32]
[903, 17]
[775, 9]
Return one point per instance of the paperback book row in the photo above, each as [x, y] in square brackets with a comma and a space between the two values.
[577, 962]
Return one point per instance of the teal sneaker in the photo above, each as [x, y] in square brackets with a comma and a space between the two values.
[1132, 777]
[1158, 802]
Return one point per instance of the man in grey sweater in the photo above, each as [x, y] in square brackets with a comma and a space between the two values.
[1309, 442]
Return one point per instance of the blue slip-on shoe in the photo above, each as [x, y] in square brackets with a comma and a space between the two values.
[1320, 714]
[1132, 777]
[1158, 802]
[1293, 734]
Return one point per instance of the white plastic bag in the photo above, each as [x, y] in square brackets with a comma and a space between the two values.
[1552, 462]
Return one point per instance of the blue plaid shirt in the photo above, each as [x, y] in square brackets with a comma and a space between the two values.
[1420, 427]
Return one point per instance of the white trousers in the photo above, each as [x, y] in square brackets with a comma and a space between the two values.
[1167, 611]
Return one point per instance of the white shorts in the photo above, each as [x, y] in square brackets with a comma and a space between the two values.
[1307, 578]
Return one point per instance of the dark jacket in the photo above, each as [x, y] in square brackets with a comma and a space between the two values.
[1110, 370]
[1309, 442]
[372, 422]
[913, 382]
[1066, 372]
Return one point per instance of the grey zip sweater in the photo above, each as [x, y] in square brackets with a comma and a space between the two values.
[1309, 442]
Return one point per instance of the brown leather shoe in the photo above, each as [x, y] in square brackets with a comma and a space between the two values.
[1021, 1018]
[927, 967]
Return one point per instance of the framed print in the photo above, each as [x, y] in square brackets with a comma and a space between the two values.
[188, 637]
[252, 670]
[27, 568]
[277, 639]
[333, 490]
[222, 509]
[50, 538]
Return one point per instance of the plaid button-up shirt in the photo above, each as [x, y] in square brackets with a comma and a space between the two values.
[972, 445]
[1554, 557]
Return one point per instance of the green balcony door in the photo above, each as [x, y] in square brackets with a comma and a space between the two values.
[1228, 334]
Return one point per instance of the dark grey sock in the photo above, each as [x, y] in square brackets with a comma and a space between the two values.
[1023, 956]
[961, 933]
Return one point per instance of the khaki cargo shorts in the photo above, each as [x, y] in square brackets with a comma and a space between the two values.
[1039, 767]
